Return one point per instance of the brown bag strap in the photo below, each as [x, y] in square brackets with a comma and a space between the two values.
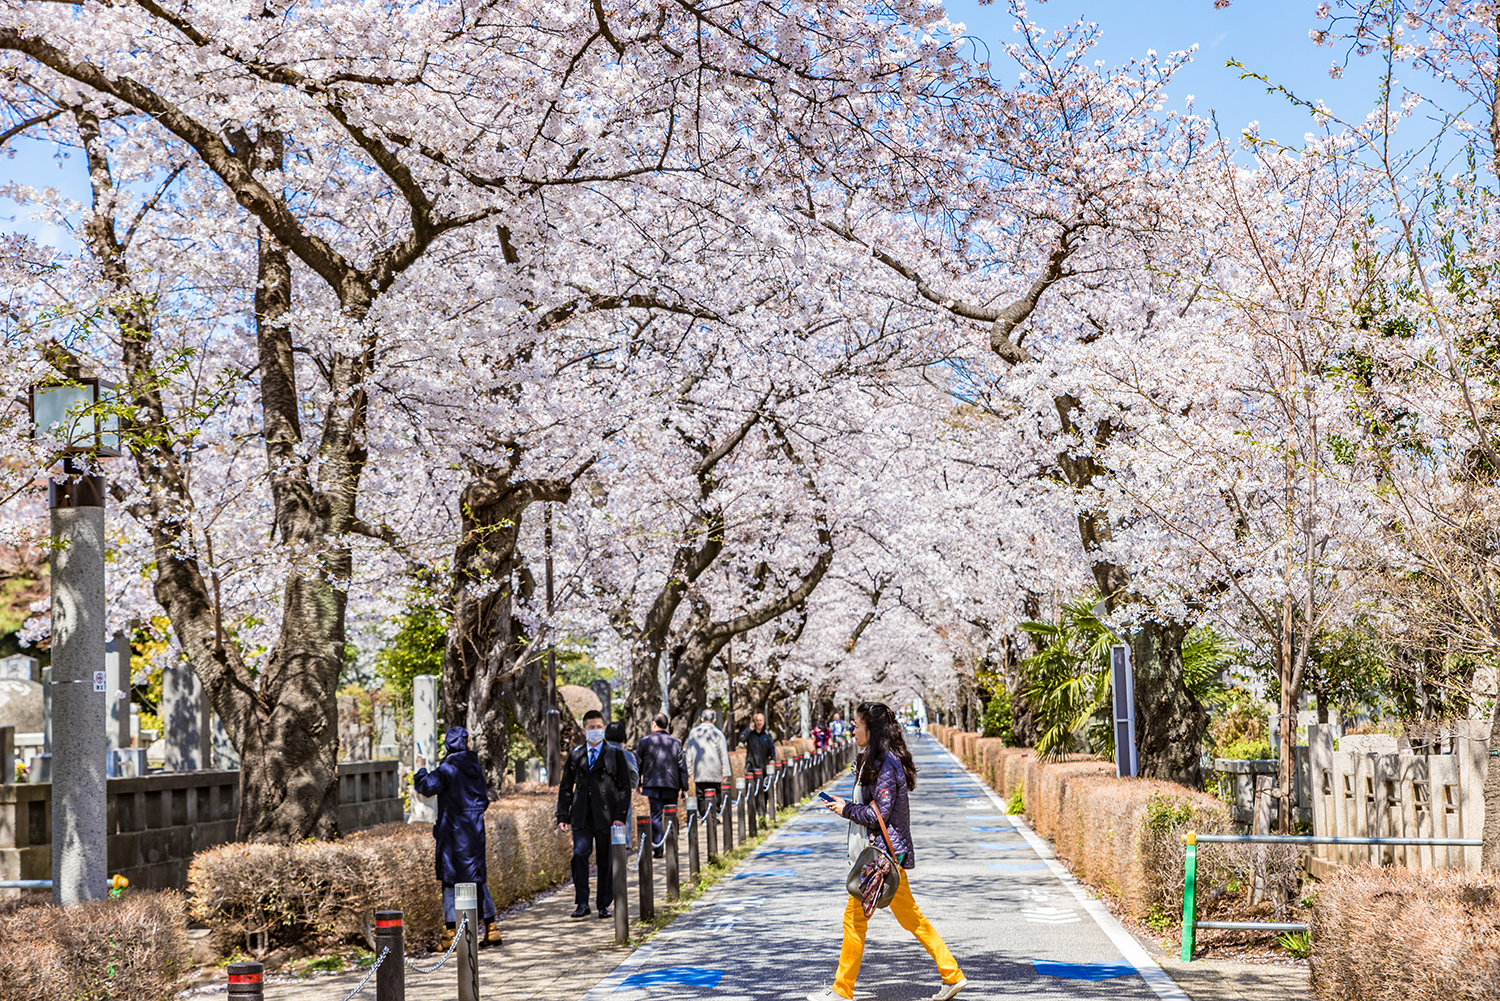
[884, 833]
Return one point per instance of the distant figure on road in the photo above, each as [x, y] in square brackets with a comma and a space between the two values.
[458, 785]
[707, 756]
[885, 775]
[594, 796]
[663, 773]
[760, 744]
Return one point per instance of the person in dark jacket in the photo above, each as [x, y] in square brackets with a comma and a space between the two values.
[458, 785]
[663, 769]
[593, 796]
[885, 775]
[760, 744]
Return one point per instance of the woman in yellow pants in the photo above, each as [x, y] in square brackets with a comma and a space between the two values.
[886, 775]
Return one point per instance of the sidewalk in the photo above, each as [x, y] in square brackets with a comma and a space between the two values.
[1235, 980]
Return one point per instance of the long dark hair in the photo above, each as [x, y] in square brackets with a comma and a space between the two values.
[884, 730]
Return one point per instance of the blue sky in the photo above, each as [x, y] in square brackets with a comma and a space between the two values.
[1267, 36]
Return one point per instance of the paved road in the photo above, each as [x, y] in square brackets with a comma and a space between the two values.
[1014, 919]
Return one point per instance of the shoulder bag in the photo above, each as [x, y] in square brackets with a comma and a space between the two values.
[874, 878]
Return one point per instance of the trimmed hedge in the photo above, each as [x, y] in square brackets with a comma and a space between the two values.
[1406, 935]
[1120, 836]
[132, 948]
[332, 888]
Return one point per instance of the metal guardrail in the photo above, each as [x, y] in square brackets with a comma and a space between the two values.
[1190, 922]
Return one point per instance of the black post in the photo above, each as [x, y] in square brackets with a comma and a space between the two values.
[727, 799]
[619, 855]
[711, 820]
[247, 981]
[753, 808]
[740, 790]
[390, 979]
[466, 905]
[693, 823]
[669, 827]
[644, 874]
[770, 795]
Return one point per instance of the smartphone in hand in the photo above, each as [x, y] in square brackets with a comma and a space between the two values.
[825, 797]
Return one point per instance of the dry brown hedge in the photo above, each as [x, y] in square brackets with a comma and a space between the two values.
[134, 947]
[1120, 836]
[332, 888]
[1406, 935]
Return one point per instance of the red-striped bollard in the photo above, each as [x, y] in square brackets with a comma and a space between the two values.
[711, 820]
[247, 981]
[644, 874]
[669, 831]
[752, 814]
[390, 979]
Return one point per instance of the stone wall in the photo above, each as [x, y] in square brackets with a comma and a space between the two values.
[156, 823]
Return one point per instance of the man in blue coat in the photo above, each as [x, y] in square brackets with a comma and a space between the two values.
[458, 785]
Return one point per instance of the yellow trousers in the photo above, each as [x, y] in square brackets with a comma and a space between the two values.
[905, 908]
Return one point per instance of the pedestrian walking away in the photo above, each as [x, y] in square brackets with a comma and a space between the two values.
[593, 796]
[663, 772]
[458, 785]
[707, 752]
[884, 776]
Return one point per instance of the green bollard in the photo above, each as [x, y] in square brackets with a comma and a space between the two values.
[1189, 894]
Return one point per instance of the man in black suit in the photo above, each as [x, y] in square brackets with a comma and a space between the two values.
[663, 772]
[594, 796]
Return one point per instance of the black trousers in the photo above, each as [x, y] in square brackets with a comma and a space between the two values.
[596, 841]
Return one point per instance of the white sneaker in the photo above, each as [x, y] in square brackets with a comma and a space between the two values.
[950, 990]
[826, 994]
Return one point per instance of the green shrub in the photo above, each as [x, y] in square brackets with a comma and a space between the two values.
[1017, 803]
[997, 721]
[1243, 750]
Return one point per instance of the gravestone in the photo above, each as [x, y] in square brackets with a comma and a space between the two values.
[225, 757]
[424, 727]
[606, 697]
[21, 667]
[117, 692]
[184, 717]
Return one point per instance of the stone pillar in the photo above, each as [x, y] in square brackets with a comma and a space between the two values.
[7, 755]
[116, 697]
[804, 713]
[225, 757]
[606, 697]
[78, 791]
[46, 713]
[184, 717]
[424, 730]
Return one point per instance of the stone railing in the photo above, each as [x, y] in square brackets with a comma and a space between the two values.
[1370, 789]
[156, 823]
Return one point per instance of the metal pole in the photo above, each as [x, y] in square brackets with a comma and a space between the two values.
[693, 826]
[727, 799]
[247, 981]
[619, 857]
[554, 719]
[1189, 895]
[711, 821]
[466, 905]
[645, 873]
[390, 979]
[741, 808]
[733, 733]
[79, 872]
[669, 828]
[753, 807]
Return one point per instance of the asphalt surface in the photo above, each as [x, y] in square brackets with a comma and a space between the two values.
[1017, 923]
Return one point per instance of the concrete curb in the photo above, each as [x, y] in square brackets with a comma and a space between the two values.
[1160, 982]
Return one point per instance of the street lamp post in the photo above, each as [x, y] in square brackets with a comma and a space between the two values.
[74, 414]
[554, 718]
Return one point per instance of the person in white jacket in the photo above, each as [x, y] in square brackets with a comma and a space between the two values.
[707, 755]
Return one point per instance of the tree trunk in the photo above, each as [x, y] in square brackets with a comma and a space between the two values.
[490, 672]
[1169, 719]
[1489, 852]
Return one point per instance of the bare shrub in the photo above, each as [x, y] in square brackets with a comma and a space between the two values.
[133, 948]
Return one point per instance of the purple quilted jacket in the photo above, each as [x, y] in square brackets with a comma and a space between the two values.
[890, 797]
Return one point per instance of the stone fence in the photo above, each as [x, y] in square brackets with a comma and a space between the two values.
[156, 823]
[1370, 789]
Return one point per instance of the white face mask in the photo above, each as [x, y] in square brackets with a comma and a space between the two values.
[594, 737]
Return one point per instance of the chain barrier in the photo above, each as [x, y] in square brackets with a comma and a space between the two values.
[457, 935]
[383, 953]
[666, 829]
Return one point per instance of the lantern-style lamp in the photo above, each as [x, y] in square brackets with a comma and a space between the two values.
[78, 415]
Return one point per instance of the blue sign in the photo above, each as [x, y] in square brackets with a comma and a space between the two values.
[765, 872]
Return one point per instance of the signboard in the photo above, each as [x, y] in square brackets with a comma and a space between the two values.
[99, 681]
[1122, 679]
